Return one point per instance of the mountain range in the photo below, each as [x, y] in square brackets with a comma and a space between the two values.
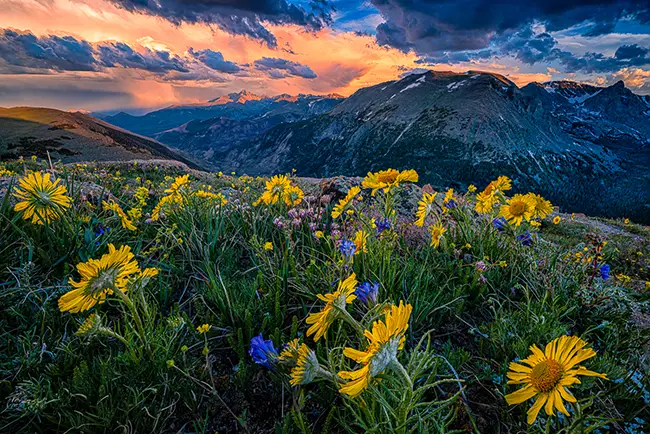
[267, 111]
[585, 147]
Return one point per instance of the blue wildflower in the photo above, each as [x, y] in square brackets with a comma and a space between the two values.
[500, 223]
[451, 204]
[526, 239]
[604, 271]
[263, 352]
[383, 225]
[100, 230]
[347, 247]
[367, 292]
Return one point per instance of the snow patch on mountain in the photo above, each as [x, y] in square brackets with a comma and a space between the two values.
[415, 84]
[453, 86]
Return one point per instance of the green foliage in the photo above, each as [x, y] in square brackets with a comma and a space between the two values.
[479, 300]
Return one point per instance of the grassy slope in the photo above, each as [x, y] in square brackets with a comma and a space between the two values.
[72, 137]
[481, 297]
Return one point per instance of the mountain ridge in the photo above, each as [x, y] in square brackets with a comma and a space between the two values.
[74, 136]
[578, 144]
[237, 106]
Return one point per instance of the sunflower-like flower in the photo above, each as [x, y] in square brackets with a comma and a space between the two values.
[425, 207]
[162, 203]
[293, 195]
[174, 195]
[279, 188]
[541, 207]
[289, 353]
[124, 219]
[437, 231]
[99, 278]
[218, 198]
[360, 238]
[449, 202]
[179, 182]
[384, 341]
[485, 202]
[502, 183]
[40, 199]
[307, 367]
[336, 302]
[547, 375]
[343, 204]
[518, 209]
[388, 179]
[275, 188]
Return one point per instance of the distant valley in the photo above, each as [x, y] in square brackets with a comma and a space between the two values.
[224, 122]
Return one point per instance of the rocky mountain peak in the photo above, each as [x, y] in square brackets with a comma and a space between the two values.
[237, 97]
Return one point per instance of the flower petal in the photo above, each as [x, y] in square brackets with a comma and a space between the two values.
[521, 395]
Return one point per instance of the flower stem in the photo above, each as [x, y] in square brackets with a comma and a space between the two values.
[405, 406]
[134, 313]
[354, 323]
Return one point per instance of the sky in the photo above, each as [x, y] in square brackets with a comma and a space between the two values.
[137, 55]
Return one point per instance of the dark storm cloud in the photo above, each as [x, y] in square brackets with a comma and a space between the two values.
[281, 68]
[531, 48]
[439, 29]
[25, 50]
[238, 17]
[214, 60]
[112, 54]
[631, 52]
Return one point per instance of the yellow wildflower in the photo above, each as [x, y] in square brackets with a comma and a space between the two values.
[40, 199]
[335, 302]
[388, 179]
[343, 203]
[384, 341]
[548, 374]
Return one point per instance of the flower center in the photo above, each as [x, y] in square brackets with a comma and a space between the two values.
[517, 208]
[387, 178]
[545, 375]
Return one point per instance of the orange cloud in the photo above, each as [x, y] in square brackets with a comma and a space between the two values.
[343, 61]
[523, 79]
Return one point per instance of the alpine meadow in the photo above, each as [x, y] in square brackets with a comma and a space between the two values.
[324, 216]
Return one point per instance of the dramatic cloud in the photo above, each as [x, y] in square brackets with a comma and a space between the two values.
[236, 17]
[282, 68]
[161, 52]
[214, 60]
[113, 54]
[631, 52]
[23, 49]
[531, 48]
[436, 28]
[25, 53]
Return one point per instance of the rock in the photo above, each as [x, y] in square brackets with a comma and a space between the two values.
[336, 188]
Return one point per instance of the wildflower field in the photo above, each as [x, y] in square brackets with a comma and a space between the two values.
[142, 297]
